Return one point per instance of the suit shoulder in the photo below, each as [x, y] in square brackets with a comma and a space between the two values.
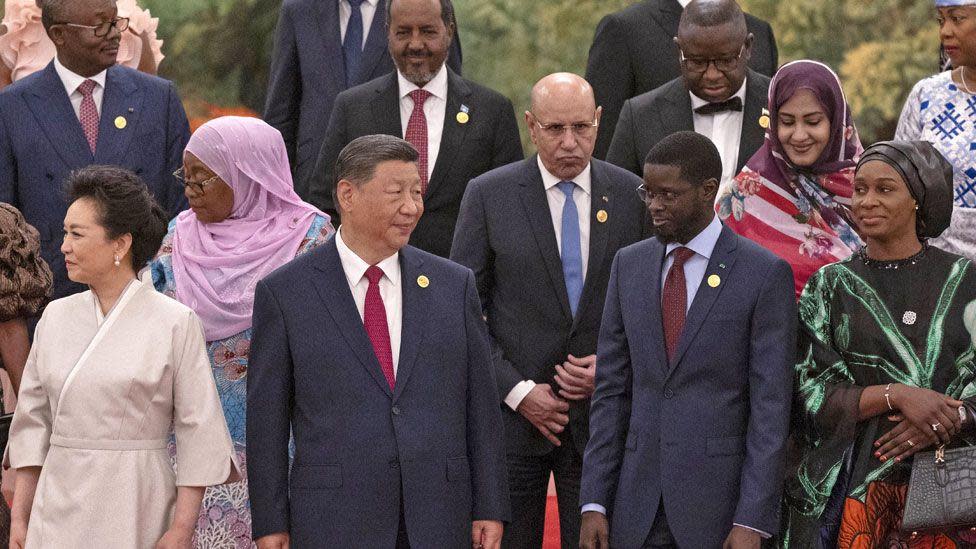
[297, 270]
[297, 5]
[366, 90]
[436, 265]
[755, 24]
[143, 79]
[26, 83]
[638, 249]
[485, 93]
[658, 94]
[503, 178]
[756, 253]
[632, 16]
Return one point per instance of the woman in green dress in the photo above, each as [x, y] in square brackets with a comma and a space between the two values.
[886, 364]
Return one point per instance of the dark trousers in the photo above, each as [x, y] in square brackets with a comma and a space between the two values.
[528, 479]
[660, 536]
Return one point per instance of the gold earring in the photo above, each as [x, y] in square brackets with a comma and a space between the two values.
[117, 262]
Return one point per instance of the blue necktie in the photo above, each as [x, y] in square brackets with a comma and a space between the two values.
[352, 46]
[570, 246]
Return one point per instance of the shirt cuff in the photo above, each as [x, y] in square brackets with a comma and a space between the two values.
[594, 507]
[756, 530]
[518, 393]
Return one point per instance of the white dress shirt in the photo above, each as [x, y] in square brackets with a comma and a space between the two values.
[434, 111]
[368, 9]
[71, 82]
[684, 3]
[724, 129]
[556, 199]
[390, 289]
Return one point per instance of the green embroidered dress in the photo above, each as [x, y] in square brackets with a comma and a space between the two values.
[863, 325]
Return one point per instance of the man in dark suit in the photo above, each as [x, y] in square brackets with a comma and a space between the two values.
[717, 94]
[374, 354]
[83, 109]
[690, 416]
[539, 236]
[323, 47]
[634, 52]
[461, 129]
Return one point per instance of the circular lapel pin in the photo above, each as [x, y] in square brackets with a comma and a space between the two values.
[423, 281]
[714, 281]
[120, 122]
[601, 216]
[764, 119]
[462, 117]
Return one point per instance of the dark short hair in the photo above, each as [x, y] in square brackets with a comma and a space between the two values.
[447, 13]
[713, 14]
[124, 206]
[52, 12]
[693, 153]
[358, 160]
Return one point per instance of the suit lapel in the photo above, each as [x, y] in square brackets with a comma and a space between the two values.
[600, 200]
[327, 13]
[53, 111]
[680, 116]
[333, 289]
[752, 134]
[415, 306]
[452, 136]
[386, 106]
[720, 264]
[376, 45]
[536, 208]
[121, 106]
[650, 302]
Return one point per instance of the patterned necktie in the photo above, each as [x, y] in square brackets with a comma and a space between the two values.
[417, 133]
[88, 114]
[675, 299]
[570, 246]
[352, 45]
[374, 319]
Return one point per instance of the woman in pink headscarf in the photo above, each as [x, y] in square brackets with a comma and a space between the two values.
[244, 221]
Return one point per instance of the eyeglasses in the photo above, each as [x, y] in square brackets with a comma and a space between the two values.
[102, 29]
[723, 64]
[555, 131]
[197, 188]
[666, 197]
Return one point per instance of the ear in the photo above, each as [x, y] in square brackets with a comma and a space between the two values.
[709, 188]
[56, 34]
[530, 125]
[599, 113]
[747, 53]
[122, 245]
[345, 195]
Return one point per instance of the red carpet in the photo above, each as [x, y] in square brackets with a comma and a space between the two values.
[551, 539]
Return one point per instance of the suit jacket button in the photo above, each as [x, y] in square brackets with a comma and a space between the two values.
[396, 410]
[668, 393]
[395, 464]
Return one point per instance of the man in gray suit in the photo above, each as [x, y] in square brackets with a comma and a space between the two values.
[717, 94]
[633, 52]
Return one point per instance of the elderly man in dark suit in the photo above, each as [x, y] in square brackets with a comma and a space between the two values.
[539, 236]
[633, 52]
[323, 47]
[717, 94]
[461, 129]
[375, 355]
[83, 109]
[690, 416]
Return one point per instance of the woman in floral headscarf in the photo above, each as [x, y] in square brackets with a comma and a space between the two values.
[244, 221]
[794, 195]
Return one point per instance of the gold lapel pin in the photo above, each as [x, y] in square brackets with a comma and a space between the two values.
[764, 119]
[120, 122]
[423, 281]
[463, 117]
[601, 216]
[714, 281]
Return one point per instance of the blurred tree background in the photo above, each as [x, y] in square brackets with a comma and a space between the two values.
[218, 50]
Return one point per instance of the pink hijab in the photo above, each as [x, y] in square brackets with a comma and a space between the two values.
[217, 265]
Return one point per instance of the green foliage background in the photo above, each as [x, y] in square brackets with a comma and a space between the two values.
[218, 50]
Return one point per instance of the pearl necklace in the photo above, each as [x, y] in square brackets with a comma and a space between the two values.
[962, 76]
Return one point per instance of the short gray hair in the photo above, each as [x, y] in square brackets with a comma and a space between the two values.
[358, 160]
[52, 12]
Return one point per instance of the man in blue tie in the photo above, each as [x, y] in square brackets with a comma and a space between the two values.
[539, 235]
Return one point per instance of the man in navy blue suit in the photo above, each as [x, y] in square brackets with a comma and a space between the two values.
[689, 420]
[375, 355]
[83, 109]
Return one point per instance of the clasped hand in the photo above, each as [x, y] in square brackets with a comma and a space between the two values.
[926, 418]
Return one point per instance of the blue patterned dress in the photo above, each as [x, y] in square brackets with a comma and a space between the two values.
[225, 516]
[939, 111]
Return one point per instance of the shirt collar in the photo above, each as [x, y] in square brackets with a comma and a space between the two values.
[684, 3]
[741, 94]
[704, 242]
[370, 2]
[437, 85]
[355, 267]
[71, 81]
[583, 180]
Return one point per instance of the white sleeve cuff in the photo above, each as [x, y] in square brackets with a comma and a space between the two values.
[518, 393]
[594, 507]
[756, 530]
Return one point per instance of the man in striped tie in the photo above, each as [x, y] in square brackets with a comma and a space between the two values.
[374, 354]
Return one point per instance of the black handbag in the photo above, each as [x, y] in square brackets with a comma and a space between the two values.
[941, 491]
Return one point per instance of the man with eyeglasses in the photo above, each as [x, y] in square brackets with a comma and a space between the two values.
[540, 235]
[84, 109]
[717, 94]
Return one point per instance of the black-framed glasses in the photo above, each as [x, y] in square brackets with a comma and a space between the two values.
[102, 29]
[197, 187]
[666, 197]
[700, 64]
[555, 131]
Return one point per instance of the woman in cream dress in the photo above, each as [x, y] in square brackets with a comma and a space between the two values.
[111, 372]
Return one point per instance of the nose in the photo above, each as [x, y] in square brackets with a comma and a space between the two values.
[65, 247]
[712, 74]
[568, 139]
[655, 204]
[945, 30]
[412, 206]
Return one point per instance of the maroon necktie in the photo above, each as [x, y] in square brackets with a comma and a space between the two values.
[675, 299]
[88, 114]
[417, 133]
[374, 319]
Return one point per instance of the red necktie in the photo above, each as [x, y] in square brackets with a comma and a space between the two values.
[374, 319]
[417, 133]
[675, 299]
[88, 114]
